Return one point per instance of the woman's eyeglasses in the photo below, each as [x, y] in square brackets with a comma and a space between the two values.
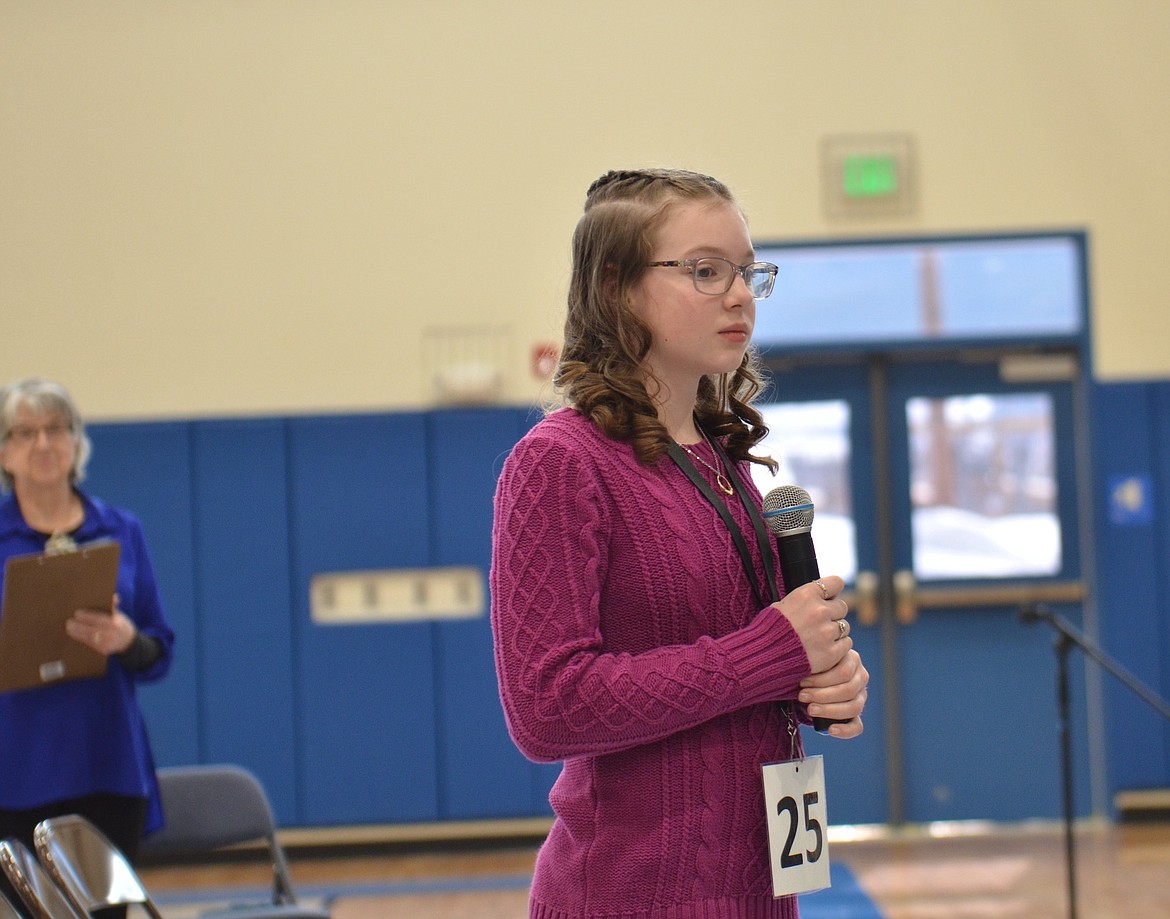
[25, 436]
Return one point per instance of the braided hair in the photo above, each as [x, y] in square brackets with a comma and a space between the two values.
[601, 370]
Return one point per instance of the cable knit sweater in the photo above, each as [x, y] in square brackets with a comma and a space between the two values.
[629, 645]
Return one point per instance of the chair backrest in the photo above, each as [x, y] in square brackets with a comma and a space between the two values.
[210, 807]
[8, 909]
[41, 895]
[93, 872]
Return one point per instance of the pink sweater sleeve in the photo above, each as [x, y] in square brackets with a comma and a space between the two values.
[564, 692]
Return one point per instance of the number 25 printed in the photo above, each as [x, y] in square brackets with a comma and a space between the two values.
[787, 807]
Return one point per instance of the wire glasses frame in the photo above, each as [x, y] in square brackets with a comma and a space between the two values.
[713, 275]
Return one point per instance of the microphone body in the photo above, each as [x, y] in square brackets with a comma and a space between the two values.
[788, 514]
[798, 558]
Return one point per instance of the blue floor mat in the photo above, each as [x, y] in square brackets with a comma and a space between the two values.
[844, 900]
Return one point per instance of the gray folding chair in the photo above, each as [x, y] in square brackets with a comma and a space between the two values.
[207, 808]
[93, 872]
[41, 896]
[8, 909]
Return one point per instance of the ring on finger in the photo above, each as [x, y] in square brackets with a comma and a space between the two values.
[824, 589]
[843, 626]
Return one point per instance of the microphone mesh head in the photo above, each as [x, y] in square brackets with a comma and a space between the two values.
[788, 508]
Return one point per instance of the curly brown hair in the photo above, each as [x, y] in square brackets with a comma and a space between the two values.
[600, 371]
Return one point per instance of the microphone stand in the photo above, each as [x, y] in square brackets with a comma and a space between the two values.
[1068, 636]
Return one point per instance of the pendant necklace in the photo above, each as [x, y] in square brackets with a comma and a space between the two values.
[720, 478]
[59, 543]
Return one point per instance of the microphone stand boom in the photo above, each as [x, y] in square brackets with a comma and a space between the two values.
[1067, 636]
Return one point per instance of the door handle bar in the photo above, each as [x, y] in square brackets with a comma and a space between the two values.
[1003, 594]
[909, 598]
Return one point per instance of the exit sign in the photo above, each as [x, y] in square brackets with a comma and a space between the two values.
[868, 175]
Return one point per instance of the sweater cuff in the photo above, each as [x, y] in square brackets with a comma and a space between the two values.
[768, 657]
[142, 654]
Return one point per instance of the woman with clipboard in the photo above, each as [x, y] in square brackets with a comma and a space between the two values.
[77, 746]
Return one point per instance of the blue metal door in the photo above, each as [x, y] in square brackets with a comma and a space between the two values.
[947, 495]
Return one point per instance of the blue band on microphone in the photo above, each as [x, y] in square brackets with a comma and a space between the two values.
[788, 510]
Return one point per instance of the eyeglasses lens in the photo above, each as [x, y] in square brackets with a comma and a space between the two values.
[712, 275]
[716, 275]
[760, 280]
[54, 433]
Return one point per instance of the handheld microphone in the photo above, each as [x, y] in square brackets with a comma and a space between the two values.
[788, 514]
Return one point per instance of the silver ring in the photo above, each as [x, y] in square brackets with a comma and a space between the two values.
[843, 627]
[824, 589]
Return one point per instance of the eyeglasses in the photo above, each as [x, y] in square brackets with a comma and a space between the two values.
[25, 436]
[713, 275]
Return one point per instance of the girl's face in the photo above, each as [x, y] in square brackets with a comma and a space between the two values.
[694, 334]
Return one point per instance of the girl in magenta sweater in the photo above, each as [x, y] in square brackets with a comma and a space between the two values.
[633, 639]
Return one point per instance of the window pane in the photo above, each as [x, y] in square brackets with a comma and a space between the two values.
[810, 440]
[983, 486]
[921, 291]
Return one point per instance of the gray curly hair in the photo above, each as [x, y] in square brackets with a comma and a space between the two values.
[43, 397]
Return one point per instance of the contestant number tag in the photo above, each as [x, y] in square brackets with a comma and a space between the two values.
[794, 793]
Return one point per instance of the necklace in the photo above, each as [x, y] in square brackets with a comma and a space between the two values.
[59, 543]
[720, 478]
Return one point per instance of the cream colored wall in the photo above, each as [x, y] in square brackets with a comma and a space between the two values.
[214, 207]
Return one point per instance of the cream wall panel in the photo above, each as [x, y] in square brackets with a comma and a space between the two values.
[257, 206]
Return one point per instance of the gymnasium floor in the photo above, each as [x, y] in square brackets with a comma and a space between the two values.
[964, 872]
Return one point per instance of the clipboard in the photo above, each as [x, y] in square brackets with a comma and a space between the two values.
[41, 592]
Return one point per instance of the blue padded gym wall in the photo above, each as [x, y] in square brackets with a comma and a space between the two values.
[1131, 450]
[399, 722]
[483, 775]
[146, 469]
[386, 722]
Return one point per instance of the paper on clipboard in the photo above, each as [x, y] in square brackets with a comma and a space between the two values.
[41, 592]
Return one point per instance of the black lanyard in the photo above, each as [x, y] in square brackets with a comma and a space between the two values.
[684, 463]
